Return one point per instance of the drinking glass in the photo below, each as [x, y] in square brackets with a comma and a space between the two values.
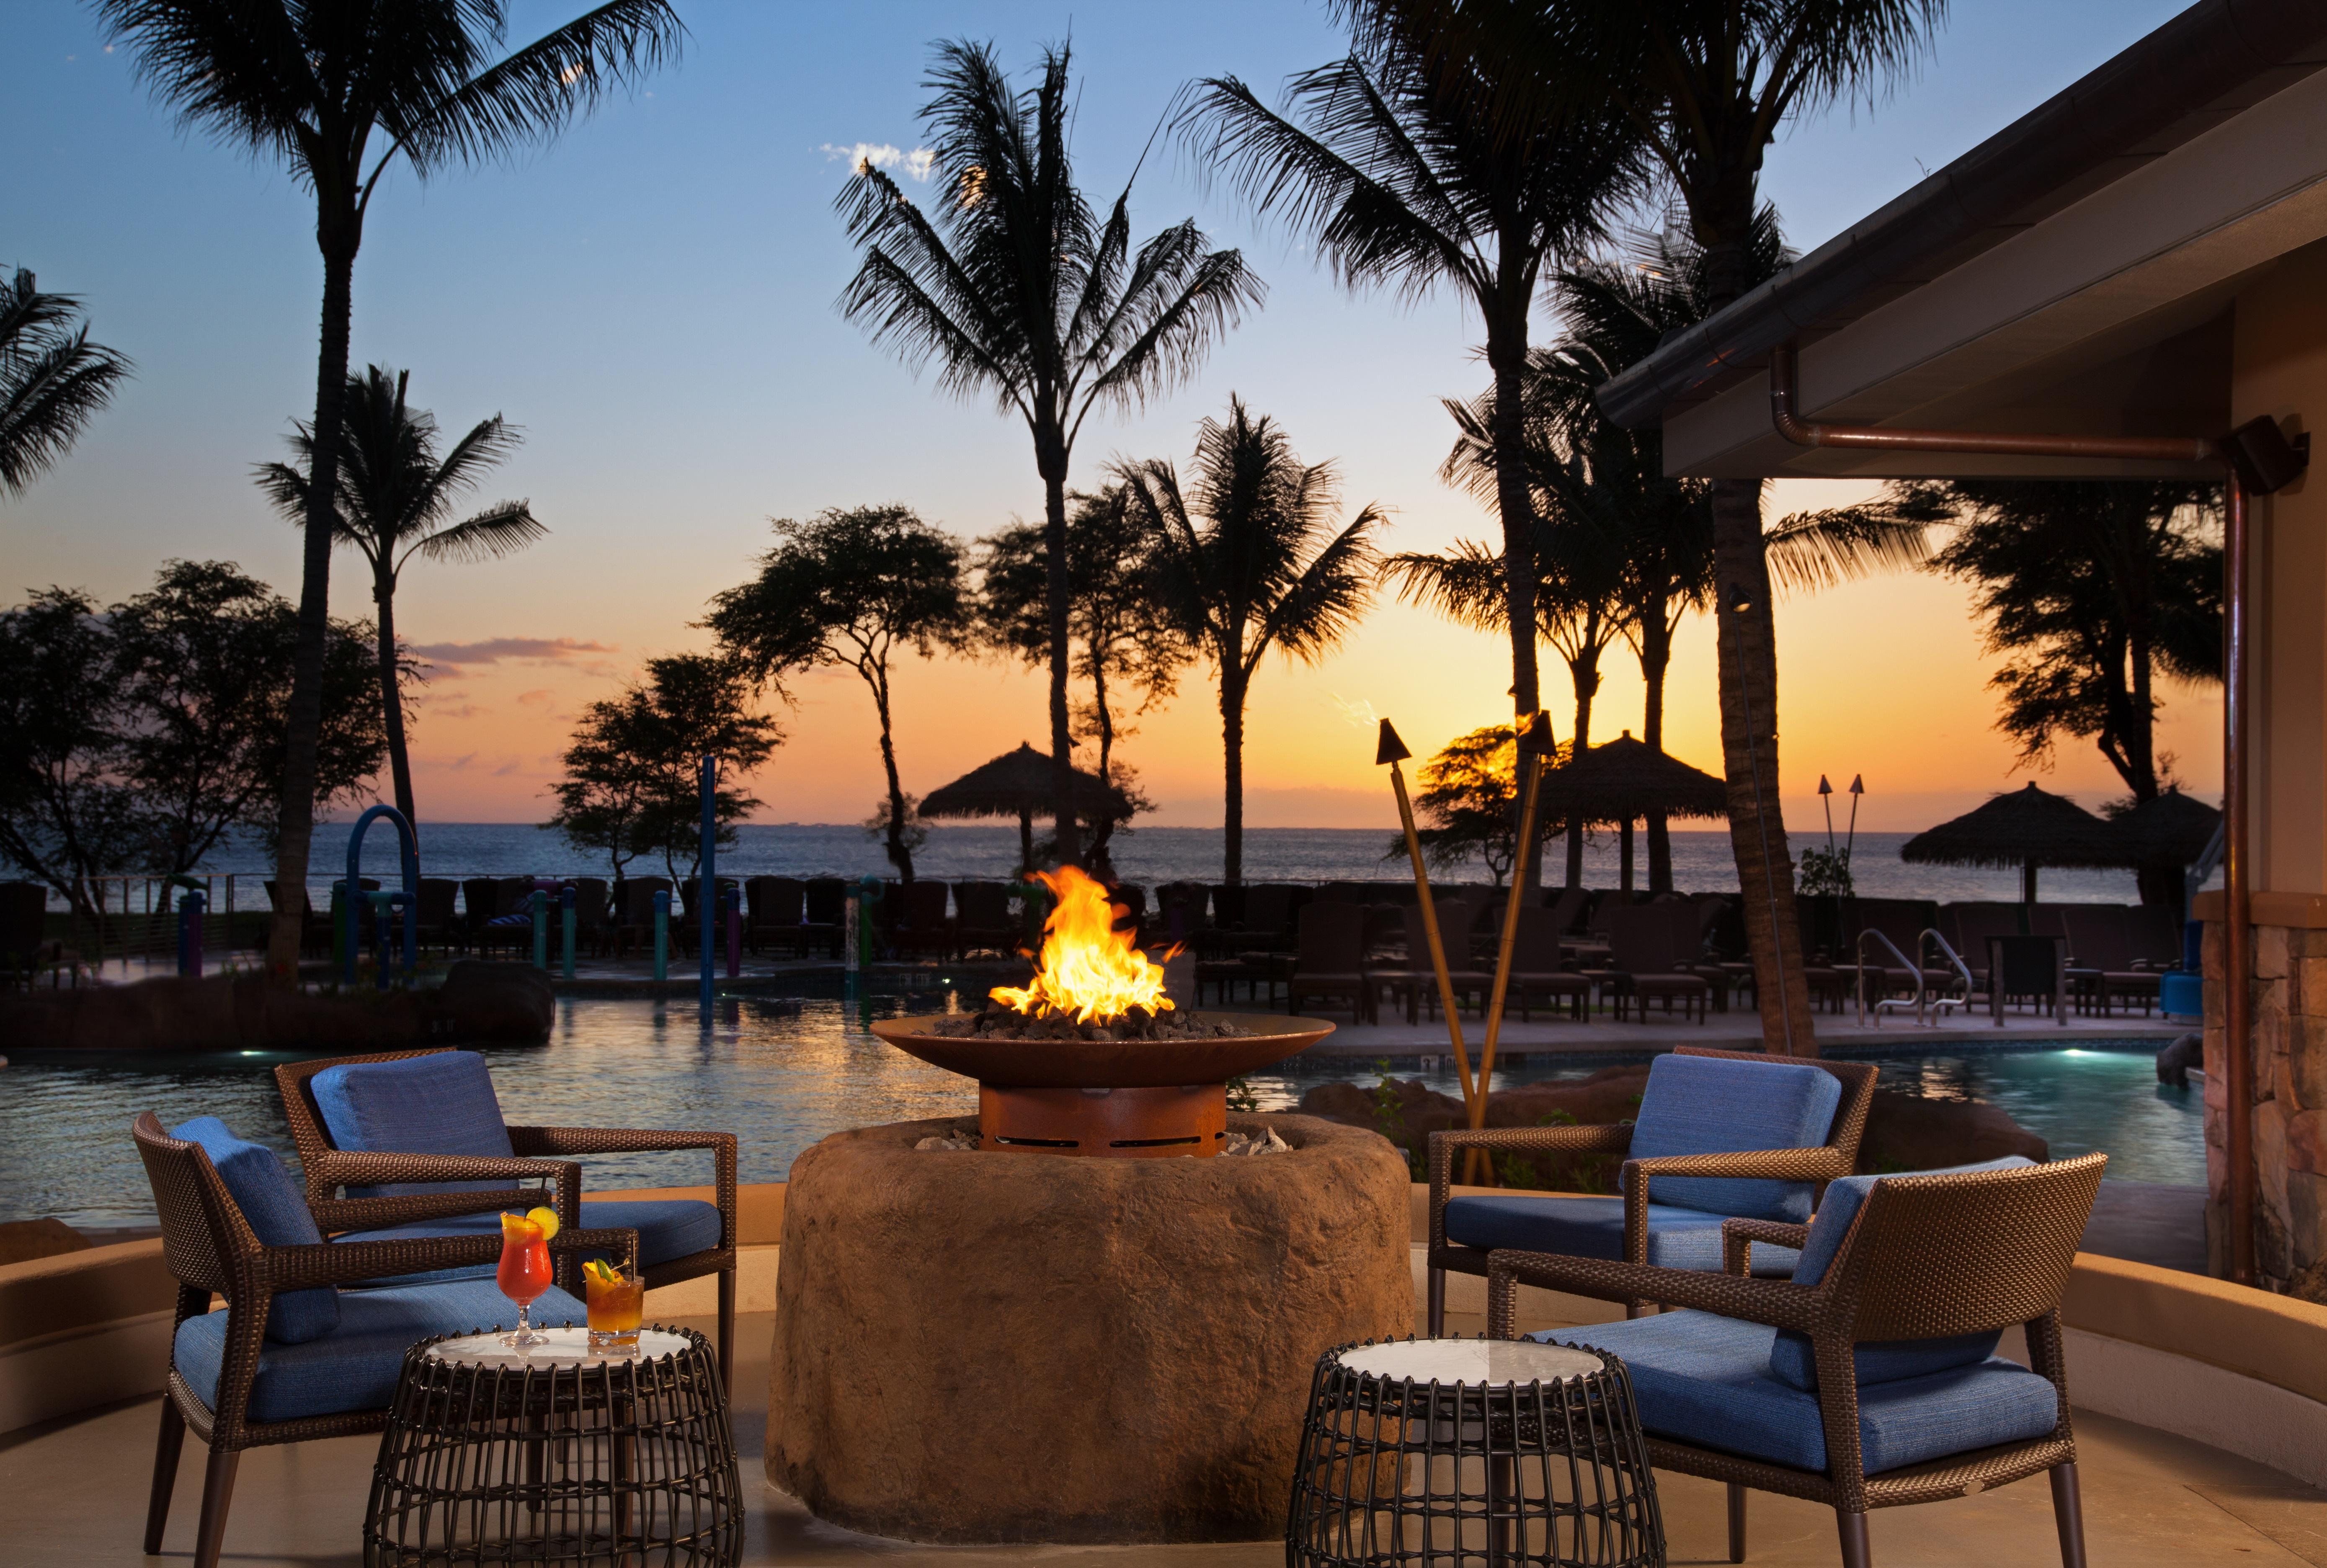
[617, 1302]
[523, 1275]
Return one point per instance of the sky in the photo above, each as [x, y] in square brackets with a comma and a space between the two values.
[651, 299]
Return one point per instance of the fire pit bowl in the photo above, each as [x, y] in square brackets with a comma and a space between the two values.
[1128, 1099]
[971, 1345]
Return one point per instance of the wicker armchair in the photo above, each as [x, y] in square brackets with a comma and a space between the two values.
[1916, 1276]
[1649, 1232]
[328, 1385]
[664, 1260]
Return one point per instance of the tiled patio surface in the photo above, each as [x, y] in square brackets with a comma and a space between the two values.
[75, 1493]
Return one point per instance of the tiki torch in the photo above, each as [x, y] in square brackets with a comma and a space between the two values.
[1392, 750]
[1538, 747]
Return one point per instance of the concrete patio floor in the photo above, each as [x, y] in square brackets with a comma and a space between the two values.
[75, 1491]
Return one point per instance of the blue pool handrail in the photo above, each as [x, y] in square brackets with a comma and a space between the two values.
[408, 846]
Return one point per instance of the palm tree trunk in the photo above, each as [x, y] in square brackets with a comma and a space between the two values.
[1050, 457]
[1749, 747]
[1102, 826]
[1232, 757]
[1656, 659]
[1584, 671]
[337, 237]
[391, 696]
[900, 855]
[1507, 355]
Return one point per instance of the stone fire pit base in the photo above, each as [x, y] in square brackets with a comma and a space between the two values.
[1008, 1347]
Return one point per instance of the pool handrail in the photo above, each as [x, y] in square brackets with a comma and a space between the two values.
[1881, 1003]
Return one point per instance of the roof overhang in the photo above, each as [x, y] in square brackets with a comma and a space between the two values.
[2105, 311]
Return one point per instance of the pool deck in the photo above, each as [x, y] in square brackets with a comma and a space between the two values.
[2151, 1499]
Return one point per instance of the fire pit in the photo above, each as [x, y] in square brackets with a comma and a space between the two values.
[1092, 1059]
[971, 1345]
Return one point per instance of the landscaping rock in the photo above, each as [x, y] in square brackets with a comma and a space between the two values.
[23, 1240]
[1001, 1345]
[1905, 1133]
[479, 1003]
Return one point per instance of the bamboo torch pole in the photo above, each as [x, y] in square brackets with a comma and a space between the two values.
[1539, 748]
[1391, 751]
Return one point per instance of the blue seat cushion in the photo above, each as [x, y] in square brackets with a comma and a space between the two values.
[1883, 1361]
[1711, 1104]
[1686, 1238]
[278, 1216]
[439, 1104]
[354, 1367]
[1706, 1381]
[668, 1228]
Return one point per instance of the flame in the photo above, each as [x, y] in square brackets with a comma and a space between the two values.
[1088, 968]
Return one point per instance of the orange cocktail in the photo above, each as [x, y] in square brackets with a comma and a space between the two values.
[524, 1272]
[617, 1302]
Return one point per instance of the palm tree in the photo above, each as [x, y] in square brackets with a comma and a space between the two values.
[1388, 163]
[1250, 561]
[52, 379]
[1017, 289]
[1705, 84]
[395, 500]
[312, 86]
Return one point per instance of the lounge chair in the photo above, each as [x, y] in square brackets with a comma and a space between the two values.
[1414, 979]
[592, 913]
[922, 924]
[1968, 926]
[1649, 948]
[775, 907]
[982, 921]
[1329, 962]
[314, 929]
[1766, 1132]
[828, 911]
[1538, 971]
[440, 925]
[294, 1355]
[354, 1119]
[634, 914]
[1870, 1379]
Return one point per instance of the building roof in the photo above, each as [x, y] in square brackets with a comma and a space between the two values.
[2076, 266]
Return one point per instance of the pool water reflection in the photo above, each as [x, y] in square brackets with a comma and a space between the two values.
[781, 1075]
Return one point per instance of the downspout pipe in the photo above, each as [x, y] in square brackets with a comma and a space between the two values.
[2252, 459]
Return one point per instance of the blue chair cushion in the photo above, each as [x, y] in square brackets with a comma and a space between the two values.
[278, 1216]
[1706, 1381]
[1881, 1360]
[354, 1367]
[1686, 1238]
[1711, 1104]
[440, 1104]
[670, 1228]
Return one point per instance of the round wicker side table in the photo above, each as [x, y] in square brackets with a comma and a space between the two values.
[558, 1455]
[1452, 1452]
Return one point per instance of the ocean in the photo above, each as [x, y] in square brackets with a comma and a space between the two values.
[1148, 855]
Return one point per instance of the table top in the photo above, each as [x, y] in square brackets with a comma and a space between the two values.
[1490, 1362]
[566, 1346]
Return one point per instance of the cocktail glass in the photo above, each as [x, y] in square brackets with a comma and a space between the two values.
[523, 1275]
[617, 1302]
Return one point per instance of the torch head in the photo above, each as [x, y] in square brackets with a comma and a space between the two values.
[1539, 734]
[1389, 748]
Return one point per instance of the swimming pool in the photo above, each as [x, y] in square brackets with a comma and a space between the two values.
[783, 1073]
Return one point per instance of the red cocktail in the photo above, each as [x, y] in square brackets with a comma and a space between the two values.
[524, 1272]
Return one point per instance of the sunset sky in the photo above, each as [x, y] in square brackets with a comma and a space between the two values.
[651, 299]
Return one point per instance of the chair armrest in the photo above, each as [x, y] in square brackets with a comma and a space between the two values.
[1609, 1138]
[338, 1262]
[1822, 1163]
[1738, 1236]
[639, 1141]
[1780, 1303]
[352, 1168]
[337, 1168]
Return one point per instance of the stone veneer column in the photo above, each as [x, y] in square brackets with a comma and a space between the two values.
[2289, 987]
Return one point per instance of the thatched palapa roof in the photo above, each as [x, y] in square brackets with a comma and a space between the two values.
[1626, 779]
[2174, 829]
[1018, 784]
[2018, 829]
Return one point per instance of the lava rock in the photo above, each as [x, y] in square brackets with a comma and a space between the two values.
[1013, 1346]
[2174, 1062]
[1906, 1133]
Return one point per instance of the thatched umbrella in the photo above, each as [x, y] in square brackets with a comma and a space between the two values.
[1624, 780]
[2023, 827]
[1018, 784]
[2174, 829]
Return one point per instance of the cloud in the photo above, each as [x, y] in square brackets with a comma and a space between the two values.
[534, 698]
[461, 657]
[465, 711]
[862, 156]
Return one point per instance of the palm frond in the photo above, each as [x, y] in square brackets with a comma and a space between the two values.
[52, 379]
[500, 529]
[1810, 551]
[1465, 585]
[1324, 603]
[536, 91]
[241, 71]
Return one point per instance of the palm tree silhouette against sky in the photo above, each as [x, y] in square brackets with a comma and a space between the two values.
[1015, 287]
[339, 93]
[1705, 84]
[1250, 560]
[52, 379]
[395, 500]
[1402, 180]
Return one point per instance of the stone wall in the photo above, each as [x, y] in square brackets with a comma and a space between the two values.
[2289, 991]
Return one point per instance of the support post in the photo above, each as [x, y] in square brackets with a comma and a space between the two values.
[732, 905]
[540, 928]
[566, 908]
[662, 933]
[189, 934]
[2238, 1024]
[706, 878]
[851, 915]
